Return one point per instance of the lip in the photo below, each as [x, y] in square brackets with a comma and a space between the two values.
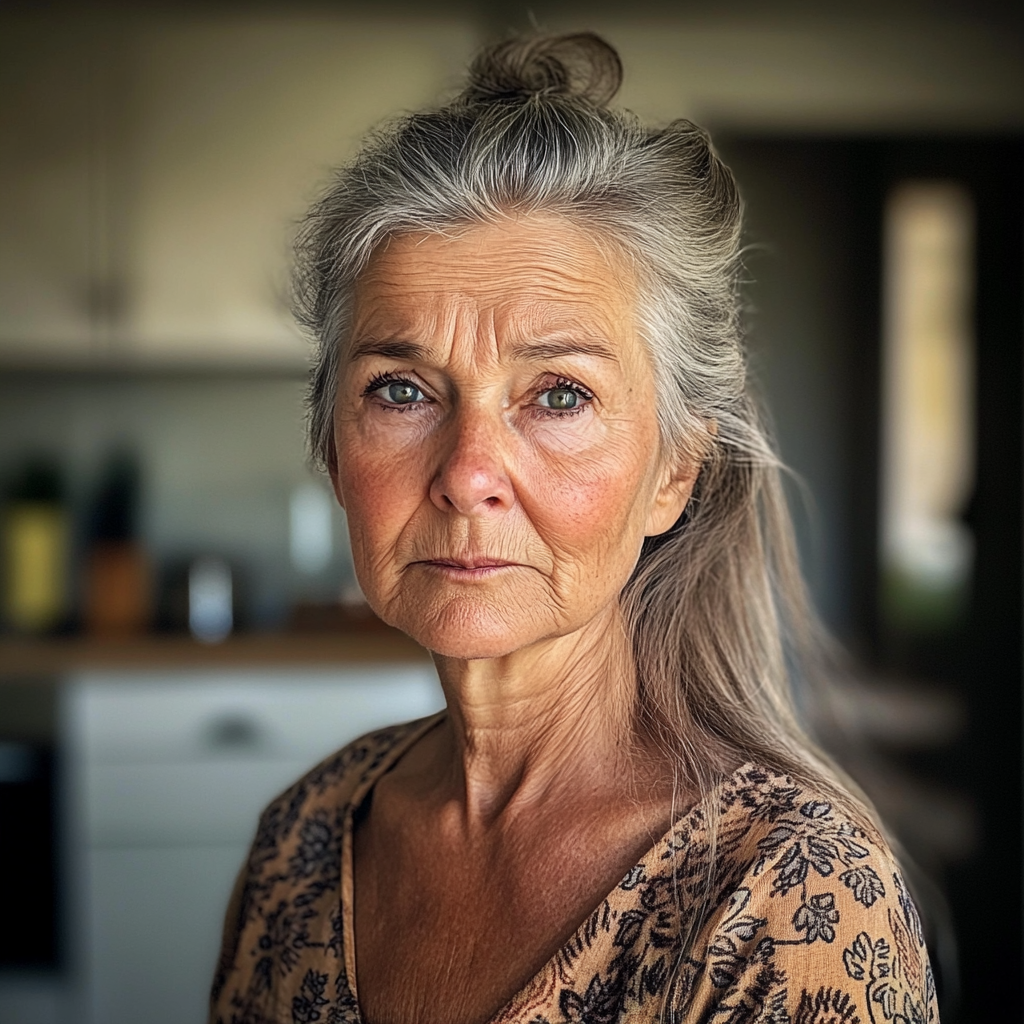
[468, 565]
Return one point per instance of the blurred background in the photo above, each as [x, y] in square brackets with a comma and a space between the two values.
[181, 630]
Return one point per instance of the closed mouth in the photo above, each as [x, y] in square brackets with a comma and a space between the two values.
[469, 564]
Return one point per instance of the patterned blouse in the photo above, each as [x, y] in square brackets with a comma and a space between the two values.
[811, 921]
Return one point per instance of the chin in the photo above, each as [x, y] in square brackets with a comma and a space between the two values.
[457, 631]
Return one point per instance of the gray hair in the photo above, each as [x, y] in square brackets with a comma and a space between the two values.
[716, 607]
[531, 132]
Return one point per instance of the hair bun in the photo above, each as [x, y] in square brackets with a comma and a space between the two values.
[580, 65]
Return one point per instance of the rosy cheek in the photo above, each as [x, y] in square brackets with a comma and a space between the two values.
[582, 501]
[378, 485]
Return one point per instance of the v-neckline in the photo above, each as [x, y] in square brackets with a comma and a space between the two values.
[347, 895]
[347, 887]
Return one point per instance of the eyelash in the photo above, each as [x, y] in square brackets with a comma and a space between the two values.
[565, 384]
[381, 380]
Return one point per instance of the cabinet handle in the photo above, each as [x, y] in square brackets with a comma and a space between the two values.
[234, 733]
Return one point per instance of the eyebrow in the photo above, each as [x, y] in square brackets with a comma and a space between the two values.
[395, 349]
[388, 349]
[558, 349]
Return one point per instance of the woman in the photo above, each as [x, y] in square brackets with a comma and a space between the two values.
[530, 397]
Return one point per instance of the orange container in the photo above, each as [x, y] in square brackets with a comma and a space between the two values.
[118, 589]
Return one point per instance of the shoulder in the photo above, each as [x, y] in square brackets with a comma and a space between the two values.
[284, 920]
[787, 836]
[810, 910]
[334, 782]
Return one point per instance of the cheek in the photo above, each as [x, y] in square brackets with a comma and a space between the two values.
[591, 502]
[591, 476]
[377, 454]
[379, 496]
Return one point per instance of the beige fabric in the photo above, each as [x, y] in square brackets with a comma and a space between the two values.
[811, 921]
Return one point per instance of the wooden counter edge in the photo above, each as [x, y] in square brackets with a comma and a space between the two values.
[20, 659]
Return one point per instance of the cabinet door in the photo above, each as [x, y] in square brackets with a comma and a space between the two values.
[47, 193]
[234, 126]
[168, 774]
[152, 171]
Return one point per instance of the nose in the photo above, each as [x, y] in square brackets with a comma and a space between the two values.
[473, 475]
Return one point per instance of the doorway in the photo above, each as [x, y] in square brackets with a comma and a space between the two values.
[941, 687]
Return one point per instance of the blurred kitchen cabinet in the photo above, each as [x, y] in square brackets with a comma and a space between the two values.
[236, 125]
[47, 192]
[155, 168]
[168, 773]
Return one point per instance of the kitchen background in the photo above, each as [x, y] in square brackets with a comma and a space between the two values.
[182, 634]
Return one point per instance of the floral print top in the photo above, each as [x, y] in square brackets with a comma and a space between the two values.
[810, 922]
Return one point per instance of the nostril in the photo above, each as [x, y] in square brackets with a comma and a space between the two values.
[450, 496]
[472, 475]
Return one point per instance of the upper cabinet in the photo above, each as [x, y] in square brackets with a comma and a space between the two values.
[153, 172]
[47, 192]
[153, 167]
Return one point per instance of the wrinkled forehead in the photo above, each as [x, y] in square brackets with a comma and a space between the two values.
[531, 277]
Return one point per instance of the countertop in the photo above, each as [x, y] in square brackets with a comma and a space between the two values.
[22, 658]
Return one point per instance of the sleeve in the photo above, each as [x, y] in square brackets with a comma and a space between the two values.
[821, 930]
[282, 941]
[242, 991]
[228, 945]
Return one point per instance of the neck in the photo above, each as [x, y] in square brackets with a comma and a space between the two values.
[555, 720]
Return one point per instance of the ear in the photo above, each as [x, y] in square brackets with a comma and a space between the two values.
[332, 472]
[675, 487]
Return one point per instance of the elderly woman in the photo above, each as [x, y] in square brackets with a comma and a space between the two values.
[530, 396]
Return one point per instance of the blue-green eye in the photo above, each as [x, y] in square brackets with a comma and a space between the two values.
[560, 399]
[401, 392]
[394, 390]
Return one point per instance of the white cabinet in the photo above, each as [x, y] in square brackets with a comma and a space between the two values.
[153, 170]
[169, 774]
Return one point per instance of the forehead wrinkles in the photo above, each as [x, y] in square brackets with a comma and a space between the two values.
[495, 283]
[490, 275]
[450, 329]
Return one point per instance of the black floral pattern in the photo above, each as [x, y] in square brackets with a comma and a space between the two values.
[818, 918]
[827, 1006]
[864, 883]
[800, 918]
[306, 1005]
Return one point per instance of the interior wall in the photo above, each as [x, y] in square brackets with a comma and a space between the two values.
[153, 165]
[220, 458]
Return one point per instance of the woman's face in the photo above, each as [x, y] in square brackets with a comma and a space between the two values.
[497, 436]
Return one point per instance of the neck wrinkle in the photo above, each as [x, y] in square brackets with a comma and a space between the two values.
[552, 722]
